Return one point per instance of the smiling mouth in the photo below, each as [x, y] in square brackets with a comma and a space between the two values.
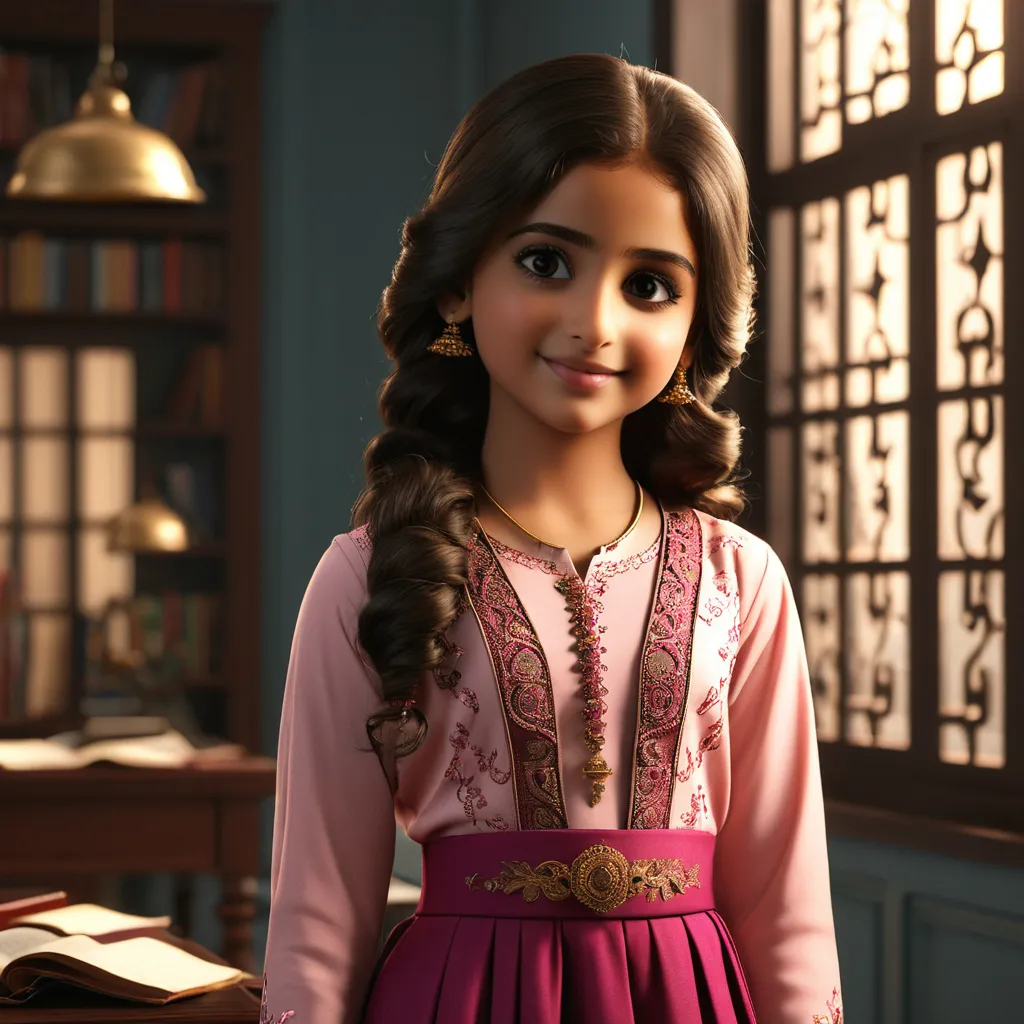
[583, 380]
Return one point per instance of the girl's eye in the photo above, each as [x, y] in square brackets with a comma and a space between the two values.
[541, 262]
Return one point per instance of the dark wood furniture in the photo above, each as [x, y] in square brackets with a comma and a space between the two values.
[65, 825]
[228, 33]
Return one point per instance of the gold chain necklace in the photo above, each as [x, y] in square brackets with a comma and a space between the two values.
[618, 540]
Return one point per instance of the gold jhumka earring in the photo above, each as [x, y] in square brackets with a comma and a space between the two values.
[679, 392]
[450, 343]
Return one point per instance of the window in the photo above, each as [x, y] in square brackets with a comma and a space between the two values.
[891, 127]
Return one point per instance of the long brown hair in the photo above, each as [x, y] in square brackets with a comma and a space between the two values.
[507, 154]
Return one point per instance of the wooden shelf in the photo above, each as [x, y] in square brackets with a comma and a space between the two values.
[214, 549]
[104, 221]
[176, 431]
[103, 329]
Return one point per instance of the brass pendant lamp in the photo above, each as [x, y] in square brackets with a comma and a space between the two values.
[103, 155]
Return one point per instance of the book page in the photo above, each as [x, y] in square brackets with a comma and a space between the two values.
[15, 942]
[144, 961]
[90, 919]
[29, 755]
[171, 750]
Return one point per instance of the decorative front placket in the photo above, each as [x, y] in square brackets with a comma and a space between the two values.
[588, 648]
[524, 683]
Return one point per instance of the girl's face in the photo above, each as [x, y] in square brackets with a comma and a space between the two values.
[581, 311]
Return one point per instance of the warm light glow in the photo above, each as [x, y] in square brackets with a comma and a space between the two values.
[969, 267]
[877, 290]
[820, 85]
[877, 41]
[819, 329]
[878, 650]
[877, 462]
[780, 137]
[969, 51]
[973, 648]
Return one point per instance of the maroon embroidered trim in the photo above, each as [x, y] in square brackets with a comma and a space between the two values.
[524, 683]
[665, 672]
[265, 1017]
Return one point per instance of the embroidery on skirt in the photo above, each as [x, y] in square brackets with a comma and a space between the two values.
[265, 1017]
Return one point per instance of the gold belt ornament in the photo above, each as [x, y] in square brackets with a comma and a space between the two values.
[600, 878]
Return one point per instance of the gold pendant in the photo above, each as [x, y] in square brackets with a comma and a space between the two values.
[597, 770]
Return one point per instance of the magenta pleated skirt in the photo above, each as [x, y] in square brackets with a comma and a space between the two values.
[556, 926]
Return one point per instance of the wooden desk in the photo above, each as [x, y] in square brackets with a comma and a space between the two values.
[109, 820]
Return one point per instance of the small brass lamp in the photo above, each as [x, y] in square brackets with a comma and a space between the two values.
[103, 155]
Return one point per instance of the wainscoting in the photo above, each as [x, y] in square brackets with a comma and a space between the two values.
[926, 939]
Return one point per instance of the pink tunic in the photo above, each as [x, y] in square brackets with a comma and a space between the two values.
[739, 758]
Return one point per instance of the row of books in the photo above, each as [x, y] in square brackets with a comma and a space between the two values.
[180, 632]
[40, 273]
[198, 396]
[39, 90]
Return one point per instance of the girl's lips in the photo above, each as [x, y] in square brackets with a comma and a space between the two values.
[578, 378]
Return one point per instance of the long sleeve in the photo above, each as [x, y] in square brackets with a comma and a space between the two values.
[771, 860]
[334, 826]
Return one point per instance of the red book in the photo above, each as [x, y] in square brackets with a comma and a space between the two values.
[31, 905]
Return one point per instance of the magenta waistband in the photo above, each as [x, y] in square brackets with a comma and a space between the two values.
[571, 873]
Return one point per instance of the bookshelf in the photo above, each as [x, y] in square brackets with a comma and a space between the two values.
[129, 361]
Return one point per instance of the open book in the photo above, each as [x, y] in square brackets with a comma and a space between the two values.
[169, 750]
[94, 953]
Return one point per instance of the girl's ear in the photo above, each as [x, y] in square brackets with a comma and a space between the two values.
[457, 306]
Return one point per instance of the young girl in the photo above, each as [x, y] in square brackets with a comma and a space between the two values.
[544, 649]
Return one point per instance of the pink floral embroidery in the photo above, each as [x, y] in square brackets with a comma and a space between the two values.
[711, 740]
[471, 796]
[721, 540]
[265, 1017]
[448, 676]
[361, 538]
[698, 808]
[522, 558]
[835, 1011]
[604, 571]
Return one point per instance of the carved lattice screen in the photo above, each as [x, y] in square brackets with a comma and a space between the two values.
[895, 160]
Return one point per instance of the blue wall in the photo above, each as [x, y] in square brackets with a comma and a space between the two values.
[360, 100]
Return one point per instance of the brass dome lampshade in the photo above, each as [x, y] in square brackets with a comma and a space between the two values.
[148, 525]
[103, 155]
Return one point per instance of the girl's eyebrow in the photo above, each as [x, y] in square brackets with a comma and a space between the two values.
[585, 241]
